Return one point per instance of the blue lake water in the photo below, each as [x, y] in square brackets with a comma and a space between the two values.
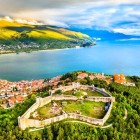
[109, 58]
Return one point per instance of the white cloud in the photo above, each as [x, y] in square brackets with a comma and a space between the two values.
[8, 18]
[24, 21]
[116, 15]
[129, 39]
[32, 22]
[128, 31]
[55, 23]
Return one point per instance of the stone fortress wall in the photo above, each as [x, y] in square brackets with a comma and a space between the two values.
[24, 121]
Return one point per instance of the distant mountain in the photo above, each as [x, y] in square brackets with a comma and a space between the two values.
[104, 34]
[16, 36]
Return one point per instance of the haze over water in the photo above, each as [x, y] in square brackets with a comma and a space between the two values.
[109, 58]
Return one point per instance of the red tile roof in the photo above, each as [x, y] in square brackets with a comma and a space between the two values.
[119, 78]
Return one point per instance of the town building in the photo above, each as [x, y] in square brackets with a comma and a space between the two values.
[119, 78]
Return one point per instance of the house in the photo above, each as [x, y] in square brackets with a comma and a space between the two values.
[11, 102]
[82, 75]
[19, 99]
[119, 78]
[92, 76]
[55, 79]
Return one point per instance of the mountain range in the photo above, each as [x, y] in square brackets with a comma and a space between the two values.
[18, 36]
[105, 35]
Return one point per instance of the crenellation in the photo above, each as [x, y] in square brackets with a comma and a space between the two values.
[24, 121]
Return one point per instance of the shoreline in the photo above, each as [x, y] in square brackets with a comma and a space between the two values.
[13, 52]
[42, 78]
[30, 51]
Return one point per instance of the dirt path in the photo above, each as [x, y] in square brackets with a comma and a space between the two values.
[92, 124]
[126, 113]
[107, 126]
[36, 129]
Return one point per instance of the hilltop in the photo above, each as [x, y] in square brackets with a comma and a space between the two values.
[122, 123]
[16, 36]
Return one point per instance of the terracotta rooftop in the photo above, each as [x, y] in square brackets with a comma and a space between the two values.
[119, 78]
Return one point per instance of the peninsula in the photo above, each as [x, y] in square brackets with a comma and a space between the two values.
[20, 37]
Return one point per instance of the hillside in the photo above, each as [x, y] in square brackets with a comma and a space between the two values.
[16, 37]
[123, 123]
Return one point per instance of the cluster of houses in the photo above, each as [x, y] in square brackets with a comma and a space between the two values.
[100, 76]
[19, 46]
[83, 75]
[16, 92]
[117, 78]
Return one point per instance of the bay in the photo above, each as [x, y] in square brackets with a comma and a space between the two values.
[105, 57]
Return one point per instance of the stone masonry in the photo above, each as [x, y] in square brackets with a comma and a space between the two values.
[24, 121]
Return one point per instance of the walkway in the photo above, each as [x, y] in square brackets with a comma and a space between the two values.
[126, 113]
[107, 126]
[91, 124]
[76, 121]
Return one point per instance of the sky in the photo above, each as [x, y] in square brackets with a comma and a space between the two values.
[121, 16]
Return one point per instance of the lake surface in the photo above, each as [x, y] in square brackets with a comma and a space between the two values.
[109, 58]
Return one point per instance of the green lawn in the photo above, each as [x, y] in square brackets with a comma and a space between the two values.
[94, 93]
[86, 108]
[44, 112]
[82, 92]
[45, 109]
[68, 93]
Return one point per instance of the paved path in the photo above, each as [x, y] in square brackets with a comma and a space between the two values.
[36, 129]
[83, 123]
[126, 113]
[91, 124]
[107, 126]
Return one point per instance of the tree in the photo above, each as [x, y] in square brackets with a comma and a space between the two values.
[60, 134]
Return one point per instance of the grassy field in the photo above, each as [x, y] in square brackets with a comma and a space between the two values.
[44, 112]
[93, 93]
[87, 108]
[83, 92]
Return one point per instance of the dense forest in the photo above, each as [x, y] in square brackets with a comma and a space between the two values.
[123, 127]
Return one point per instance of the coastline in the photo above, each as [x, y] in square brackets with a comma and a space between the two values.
[21, 51]
[52, 62]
